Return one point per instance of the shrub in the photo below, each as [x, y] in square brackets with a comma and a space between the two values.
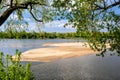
[12, 69]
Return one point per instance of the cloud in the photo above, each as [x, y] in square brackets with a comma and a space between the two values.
[54, 26]
[58, 26]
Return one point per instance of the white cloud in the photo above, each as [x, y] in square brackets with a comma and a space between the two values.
[54, 26]
[58, 26]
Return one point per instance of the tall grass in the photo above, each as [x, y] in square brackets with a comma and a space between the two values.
[12, 69]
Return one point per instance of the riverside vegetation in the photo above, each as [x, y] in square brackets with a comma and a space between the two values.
[45, 35]
[11, 69]
[36, 35]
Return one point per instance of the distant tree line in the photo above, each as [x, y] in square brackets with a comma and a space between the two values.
[37, 35]
[54, 35]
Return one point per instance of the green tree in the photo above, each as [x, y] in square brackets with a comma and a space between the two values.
[91, 17]
[39, 11]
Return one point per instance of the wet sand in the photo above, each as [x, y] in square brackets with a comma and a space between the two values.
[58, 51]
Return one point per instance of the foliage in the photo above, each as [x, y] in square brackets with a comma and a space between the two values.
[93, 16]
[12, 69]
[38, 35]
[19, 13]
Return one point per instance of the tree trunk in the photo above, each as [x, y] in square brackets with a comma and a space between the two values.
[5, 15]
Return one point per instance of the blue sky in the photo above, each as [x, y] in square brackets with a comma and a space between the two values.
[54, 26]
[58, 26]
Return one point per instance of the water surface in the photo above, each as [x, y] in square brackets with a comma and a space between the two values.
[88, 67]
[81, 68]
[9, 46]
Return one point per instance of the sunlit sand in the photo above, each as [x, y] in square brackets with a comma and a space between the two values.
[58, 51]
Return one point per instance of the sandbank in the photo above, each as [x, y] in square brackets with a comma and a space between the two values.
[58, 51]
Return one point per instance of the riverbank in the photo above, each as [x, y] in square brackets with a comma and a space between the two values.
[57, 51]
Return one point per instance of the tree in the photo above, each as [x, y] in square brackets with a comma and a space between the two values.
[39, 10]
[97, 18]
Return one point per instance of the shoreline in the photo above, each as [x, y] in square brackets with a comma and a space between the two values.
[57, 51]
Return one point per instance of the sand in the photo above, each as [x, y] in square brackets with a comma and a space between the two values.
[59, 51]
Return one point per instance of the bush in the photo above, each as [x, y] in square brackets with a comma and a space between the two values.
[12, 69]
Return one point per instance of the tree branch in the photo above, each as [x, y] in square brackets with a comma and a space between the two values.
[112, 5]
[14, 7]
[0, 1]
[11, 3]
[107, 7]
[33, 15]
[7, 13]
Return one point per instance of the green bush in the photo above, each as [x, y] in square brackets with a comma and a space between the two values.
[12, 69]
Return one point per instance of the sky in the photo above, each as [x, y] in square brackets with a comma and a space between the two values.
[58, 26]
[54, 26]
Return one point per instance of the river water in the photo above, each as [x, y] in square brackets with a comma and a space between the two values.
[9, 46]
[89, 67]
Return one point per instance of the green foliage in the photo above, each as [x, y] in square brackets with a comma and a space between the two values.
[36, 10]
[91, 17]
[37, 35]
[12, 69]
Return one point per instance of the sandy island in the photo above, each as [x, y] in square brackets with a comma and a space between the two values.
[59, 51]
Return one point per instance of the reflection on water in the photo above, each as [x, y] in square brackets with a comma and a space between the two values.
[82, 68]
[10, 45]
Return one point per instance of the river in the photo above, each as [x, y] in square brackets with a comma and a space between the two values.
[89, 67]
[9, 46]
